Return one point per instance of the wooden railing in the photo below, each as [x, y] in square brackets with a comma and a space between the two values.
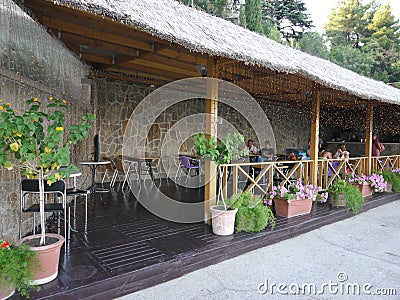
[260, 177]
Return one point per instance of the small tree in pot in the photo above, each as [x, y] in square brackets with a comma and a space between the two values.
[222, 153]
[38, 143]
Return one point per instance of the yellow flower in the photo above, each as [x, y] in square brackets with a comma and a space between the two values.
[64, 101]
[47, 150]
[58, 176]
[14, 147]
[59, 128]
[8, 104]
[16, 110]
[1, 100]
[50, 98]
[35, 99]
[1, 107]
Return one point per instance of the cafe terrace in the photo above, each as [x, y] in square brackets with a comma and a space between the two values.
[106, 56]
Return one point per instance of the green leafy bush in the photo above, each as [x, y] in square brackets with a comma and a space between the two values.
[252, 215]
[17, 267]
[393, 178]
[351, 193]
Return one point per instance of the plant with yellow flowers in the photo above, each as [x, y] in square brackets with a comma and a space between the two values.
[38, 142]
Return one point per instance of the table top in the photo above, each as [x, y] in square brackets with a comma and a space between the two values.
[75, 174]
[102, 162]
[130, 158]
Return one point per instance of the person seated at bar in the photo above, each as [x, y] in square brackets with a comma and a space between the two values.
[377, 146]
[267, 153]
[354, 138]
[326, 153]
[251, 149]
[340, 151]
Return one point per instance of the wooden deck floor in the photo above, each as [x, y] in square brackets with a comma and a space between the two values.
[125, 248]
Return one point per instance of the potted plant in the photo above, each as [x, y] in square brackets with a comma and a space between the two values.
[363, 183]
[392, 179]
[343, 193]
[222, 216]
[17, 266]
[253, 214]
[295, 200]
[37, 142]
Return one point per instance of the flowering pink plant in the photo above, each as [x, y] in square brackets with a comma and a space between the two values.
[297, 191]
[376, 181]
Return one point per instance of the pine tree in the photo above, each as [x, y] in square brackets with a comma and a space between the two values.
[253, 15]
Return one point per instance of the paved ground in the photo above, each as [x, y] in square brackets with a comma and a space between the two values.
[361, 252]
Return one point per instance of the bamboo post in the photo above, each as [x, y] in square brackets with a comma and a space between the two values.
[368, 138]
[314, 145]
[210, 190]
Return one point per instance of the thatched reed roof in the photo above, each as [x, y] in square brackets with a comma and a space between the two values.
[198, 31]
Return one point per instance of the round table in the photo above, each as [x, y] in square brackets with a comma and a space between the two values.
[93, 166]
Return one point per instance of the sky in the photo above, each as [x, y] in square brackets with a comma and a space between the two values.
[320, 9]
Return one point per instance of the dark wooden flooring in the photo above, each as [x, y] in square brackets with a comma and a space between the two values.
[125, 248]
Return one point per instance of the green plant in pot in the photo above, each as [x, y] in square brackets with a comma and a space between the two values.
[38, 142]
[253, 214]
[17, 263]
[343, 193]
[393, 178]
[223, 217]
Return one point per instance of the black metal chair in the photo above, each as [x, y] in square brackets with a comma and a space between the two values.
[31, 187]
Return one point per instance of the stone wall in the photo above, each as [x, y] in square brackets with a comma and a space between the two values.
[117, 100]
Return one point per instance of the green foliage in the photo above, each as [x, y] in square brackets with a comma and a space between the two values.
[252, 214]
[373, 32]
[219, 8]
[313, 43]
[221, 153]
[351, 193]
[17, 267]
[289, 15]
[253, 14]
[37, 139]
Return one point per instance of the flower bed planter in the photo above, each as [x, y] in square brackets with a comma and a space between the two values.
[292, 209]
[365, 189]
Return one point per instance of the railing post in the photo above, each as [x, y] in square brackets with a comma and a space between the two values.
[314, 145]
[368, 138]
[210, 189]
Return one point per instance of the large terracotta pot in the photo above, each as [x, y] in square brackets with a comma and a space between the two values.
[365, 189]
[6, 293]
[223, 221]
[294, 208]
[48, 255]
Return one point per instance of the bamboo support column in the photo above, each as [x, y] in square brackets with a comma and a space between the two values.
[314, 145]
[210, 190]
[368, 138]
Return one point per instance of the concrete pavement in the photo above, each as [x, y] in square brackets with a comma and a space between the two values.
[357, 258]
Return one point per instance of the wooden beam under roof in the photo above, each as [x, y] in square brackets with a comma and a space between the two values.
[94, 33]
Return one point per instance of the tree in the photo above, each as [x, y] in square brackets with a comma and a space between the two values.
[289, 15]
[353, 59]
[253, 14]
[219, 8]
[313, 43]
[348, 23]
[370, 29]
